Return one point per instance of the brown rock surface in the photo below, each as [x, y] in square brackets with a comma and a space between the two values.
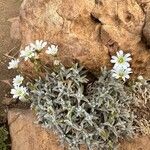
[26, 135]
[88, 30]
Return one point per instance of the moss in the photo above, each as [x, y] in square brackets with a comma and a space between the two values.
[3, 138]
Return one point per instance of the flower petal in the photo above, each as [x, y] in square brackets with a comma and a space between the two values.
[127, 55]
[113, 61]
[127, 76]
[120, 53]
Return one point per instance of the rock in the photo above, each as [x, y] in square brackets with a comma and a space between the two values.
[26, 135]
[122, 22]
[89, 31]
[69, 26]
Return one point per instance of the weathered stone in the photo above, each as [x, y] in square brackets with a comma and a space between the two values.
[88, 31]
[26, 135]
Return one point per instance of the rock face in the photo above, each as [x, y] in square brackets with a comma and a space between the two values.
[89, 31]
[26, 135]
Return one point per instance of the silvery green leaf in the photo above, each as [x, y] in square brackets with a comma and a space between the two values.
[103, 114]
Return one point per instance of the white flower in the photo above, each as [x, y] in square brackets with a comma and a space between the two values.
[13, 64]
[140, 77]
[39, 45]
[52, 50]
[28, 53]
[19, 92]
[121, 73]
[56, 62]
[121, 60]
[17, 81]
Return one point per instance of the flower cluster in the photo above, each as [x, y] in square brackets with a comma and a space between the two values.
[18, 90]
[52, 50]
[33, 49]
[30, 52]
[13, 64]
[121, 67]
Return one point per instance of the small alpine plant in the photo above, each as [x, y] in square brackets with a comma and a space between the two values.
[94, 114]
